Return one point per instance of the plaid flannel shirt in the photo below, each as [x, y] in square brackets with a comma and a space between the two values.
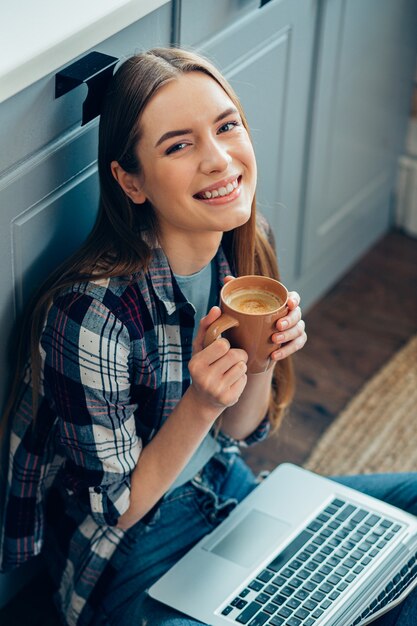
[115, 359]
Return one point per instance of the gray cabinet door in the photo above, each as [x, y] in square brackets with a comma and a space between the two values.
[366, 59]
[267, 56]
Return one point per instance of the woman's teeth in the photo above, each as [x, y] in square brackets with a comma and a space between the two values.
[221, 191]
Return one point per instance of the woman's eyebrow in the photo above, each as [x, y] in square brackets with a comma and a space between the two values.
[187, 131]
[226, 113]
[173, 133]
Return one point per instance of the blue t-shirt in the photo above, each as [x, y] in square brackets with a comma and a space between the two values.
[200, 291]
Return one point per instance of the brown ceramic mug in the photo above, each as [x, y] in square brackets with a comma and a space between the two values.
[250, 306]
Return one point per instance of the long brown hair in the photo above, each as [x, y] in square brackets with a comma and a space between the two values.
[116, 245]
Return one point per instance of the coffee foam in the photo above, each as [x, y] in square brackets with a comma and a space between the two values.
[253, 301]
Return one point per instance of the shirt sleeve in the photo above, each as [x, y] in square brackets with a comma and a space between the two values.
[86, 380]
[260, 433]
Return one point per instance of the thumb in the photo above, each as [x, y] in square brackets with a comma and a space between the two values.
[205, 322]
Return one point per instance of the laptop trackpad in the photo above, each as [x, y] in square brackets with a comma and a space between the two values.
[250, 539]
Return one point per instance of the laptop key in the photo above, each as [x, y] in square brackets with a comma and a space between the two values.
[289, 551]
[345, 512]
[386, 523]
[276, 621]
[248, 613]
[255, 585]
[279, 599]
[309, 605]
[302, 613]
[260, 619]
[270, 608]
[293, 621]
[318, 595]
[293, 603]
[227, 610]
[331, 510]
[359, 516]
[265, 576]
[301, 594]
[262, 598]
[284, 612]
[239, 603]
[287, 591]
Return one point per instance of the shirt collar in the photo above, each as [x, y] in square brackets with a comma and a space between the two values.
[161, 277]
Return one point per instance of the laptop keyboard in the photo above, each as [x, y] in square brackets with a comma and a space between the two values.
[300, 584]
[393, 589]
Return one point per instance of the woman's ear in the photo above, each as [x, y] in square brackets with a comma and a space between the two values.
[128, 182]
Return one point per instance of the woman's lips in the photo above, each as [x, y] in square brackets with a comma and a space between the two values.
[224, 193]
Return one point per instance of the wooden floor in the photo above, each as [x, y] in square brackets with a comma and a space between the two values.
[352, 332]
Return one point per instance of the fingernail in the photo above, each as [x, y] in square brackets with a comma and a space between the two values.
[283, 324]
[279, 338]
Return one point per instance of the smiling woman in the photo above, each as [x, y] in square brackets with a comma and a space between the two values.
[186, 173]
[114, 415]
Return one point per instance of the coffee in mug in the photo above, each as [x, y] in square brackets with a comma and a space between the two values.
[250, 306]
[253, 301]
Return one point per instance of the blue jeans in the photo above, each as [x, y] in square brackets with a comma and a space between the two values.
[186, 515]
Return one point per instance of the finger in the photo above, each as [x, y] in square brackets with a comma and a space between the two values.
[234, 373]
[291, 334]
[236, 390]
[214, 352]
[228, 278]
[205, 322]
[291, 319]
[294, 299]
[222, 361]
[289, 348]
[232, 395]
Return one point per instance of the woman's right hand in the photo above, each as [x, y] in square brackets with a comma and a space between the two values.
[218, 372]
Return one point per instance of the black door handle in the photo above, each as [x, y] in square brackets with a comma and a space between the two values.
[95, 70]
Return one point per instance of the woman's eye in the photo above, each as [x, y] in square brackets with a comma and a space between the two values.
[176, 148]
[228, 126]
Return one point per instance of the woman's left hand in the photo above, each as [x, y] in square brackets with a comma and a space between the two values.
[290, 330]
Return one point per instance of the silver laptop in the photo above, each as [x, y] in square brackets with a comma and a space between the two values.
[300, 550]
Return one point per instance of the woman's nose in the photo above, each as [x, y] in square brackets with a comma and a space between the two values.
[214, 157]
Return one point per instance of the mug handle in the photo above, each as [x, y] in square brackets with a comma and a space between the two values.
[224, 322]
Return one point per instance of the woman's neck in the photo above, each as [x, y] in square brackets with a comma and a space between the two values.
[187, 256]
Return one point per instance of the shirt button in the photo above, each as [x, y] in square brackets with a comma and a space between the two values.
[97, 489]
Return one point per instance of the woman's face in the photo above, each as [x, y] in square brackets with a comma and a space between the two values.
[197, 161]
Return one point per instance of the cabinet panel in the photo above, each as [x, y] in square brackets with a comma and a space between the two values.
[201, 19]
[33, 118]
[267, 57]
[48, 208]
[50, 231]
[367, 52]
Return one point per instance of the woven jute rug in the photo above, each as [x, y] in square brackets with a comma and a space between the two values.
[377, 431]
